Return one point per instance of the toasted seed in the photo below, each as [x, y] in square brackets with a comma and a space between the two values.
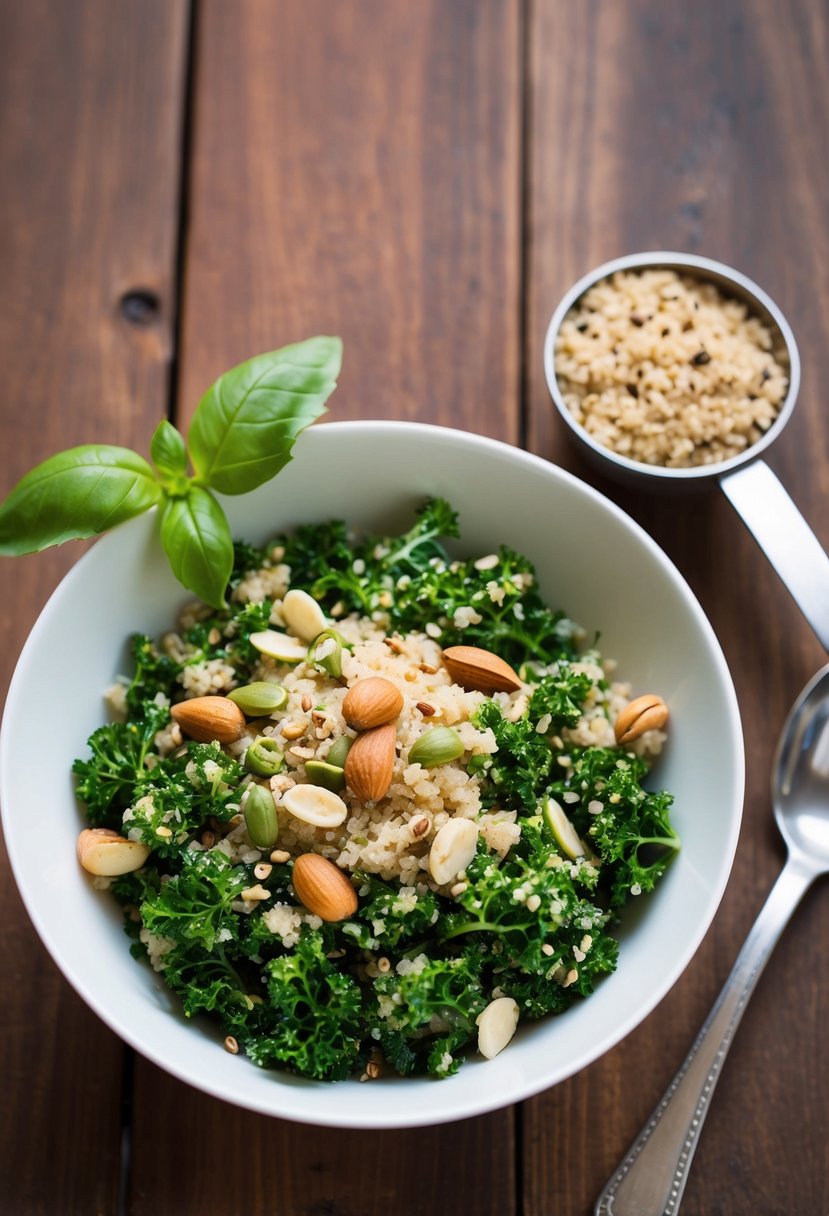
[648, 712]
[426, 709]
[452, 849]
[231, 1045]
[496, 1026]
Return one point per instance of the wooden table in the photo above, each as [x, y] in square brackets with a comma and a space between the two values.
[185, 185]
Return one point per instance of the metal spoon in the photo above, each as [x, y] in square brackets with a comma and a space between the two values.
[651, 1178]
[753, 489]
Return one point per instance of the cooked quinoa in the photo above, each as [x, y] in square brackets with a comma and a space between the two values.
[666, 370]
[423, 962]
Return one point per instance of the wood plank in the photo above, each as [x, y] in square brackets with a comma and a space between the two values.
[91, 102]
[356, 171]
[661, 127]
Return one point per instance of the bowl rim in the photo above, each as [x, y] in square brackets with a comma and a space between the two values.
[732, 282]
[450, 1109]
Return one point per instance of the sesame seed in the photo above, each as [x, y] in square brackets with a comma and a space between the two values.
[231, 1045]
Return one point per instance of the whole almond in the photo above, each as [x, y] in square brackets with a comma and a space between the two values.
[323, 888]
[478, 669]
[105, 853]
[648, 712]
[370, 763]
[207, 718]
[372, 702]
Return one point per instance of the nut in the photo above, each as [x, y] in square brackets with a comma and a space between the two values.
[260, 697]
[316, 805]
[207, 718]
[496, 1026]
[369, 765]
[452, 849]
[105, 853]
[331, 776]
[648, 712]
[372, 702]
[303, 615]
[322, 888]
[261, 819]
[437, 745]
[278, 646]
[481, 670]
[264, 757]
[420, 826]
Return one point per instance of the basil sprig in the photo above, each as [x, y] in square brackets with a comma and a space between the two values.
[241, 435]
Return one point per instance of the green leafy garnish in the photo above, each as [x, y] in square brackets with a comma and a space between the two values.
[241, 435]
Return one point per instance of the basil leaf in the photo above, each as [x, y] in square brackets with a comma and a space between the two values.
[244, 428]
[169, 455]
[78, 493]
[197, 540]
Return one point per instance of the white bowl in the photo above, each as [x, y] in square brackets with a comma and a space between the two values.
[593, 561]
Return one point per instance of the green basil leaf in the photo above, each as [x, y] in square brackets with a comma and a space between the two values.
[198, 543]
[80, 492]
[169, 452]
[245, 426]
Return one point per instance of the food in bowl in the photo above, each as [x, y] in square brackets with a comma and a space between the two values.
[379, 809]
[665, 369]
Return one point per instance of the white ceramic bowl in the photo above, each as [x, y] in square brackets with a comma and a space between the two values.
[593, 561]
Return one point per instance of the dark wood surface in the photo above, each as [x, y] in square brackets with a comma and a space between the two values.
[181, 188]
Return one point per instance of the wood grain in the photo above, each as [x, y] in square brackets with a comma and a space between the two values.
[89, 203]
[355, 170]
[699, 129]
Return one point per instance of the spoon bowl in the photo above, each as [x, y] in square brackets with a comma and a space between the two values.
[800, 778]
[651, 1178]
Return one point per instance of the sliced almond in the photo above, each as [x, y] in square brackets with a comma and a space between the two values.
[565, 834]
[371, 702]
[323, 888]
[303, 615]
[206, 719]
[105, 853]
[369, 765]
[648, 712]
[452, 849]
[279, 646]
[316, 805]
[496, 1026]
[478, 669]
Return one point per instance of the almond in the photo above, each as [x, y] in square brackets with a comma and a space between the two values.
[207, 718]
[475, 668]
[372, 702]
[370, 763]
[323, 888]
[105, 853]
[648, 712]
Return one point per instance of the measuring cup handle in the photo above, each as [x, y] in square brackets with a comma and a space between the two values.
[788, 542]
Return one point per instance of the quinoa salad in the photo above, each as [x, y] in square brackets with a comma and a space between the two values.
[381, 810]
[666, 370]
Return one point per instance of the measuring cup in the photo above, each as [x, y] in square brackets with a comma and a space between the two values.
[753, 489]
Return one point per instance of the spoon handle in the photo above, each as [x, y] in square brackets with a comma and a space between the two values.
[651, 1178]
[791, 546]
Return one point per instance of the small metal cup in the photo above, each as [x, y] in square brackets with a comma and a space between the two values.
[750, 485]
